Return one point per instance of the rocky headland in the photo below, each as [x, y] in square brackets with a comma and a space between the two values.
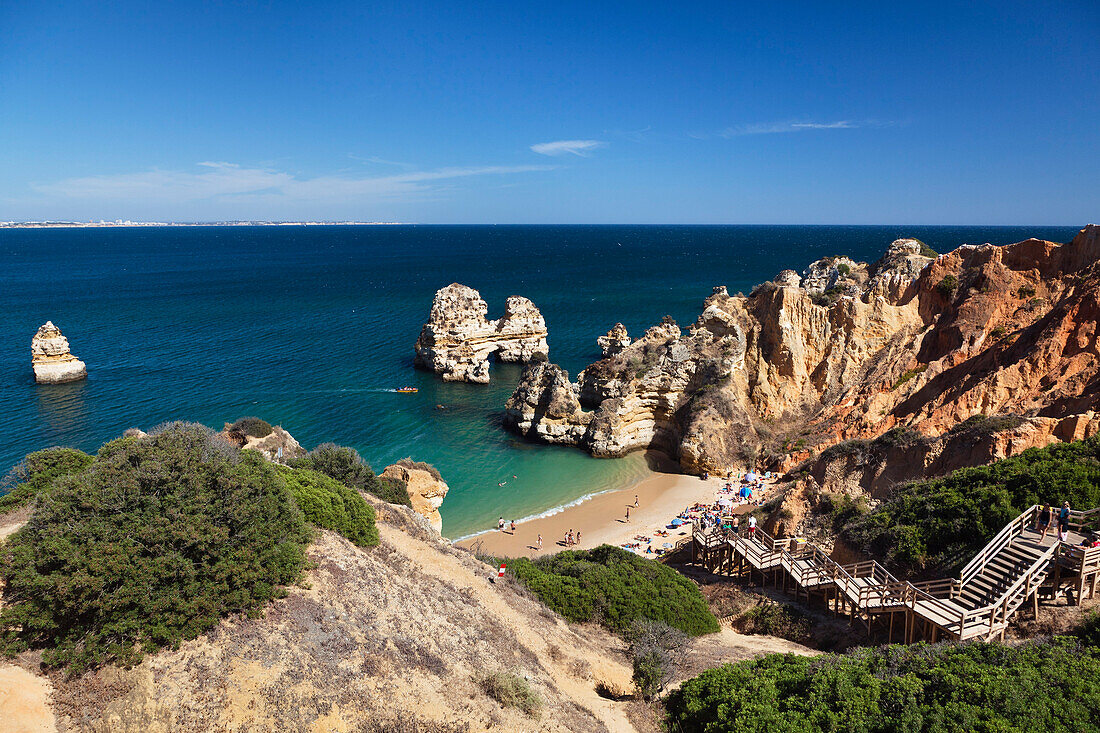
[51, 359]
[458, 339]
[847, 351]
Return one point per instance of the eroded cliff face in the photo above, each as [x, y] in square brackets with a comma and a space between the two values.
[457, 340]
[51, 359]
[845, 350]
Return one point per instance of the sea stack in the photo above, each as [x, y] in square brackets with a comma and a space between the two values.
[457, 339]
[51, 359]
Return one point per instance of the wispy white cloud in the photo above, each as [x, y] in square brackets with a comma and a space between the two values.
[221, 180]
[770, 128]
[567, 147]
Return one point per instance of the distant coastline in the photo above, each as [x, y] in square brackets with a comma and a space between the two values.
[128, 223]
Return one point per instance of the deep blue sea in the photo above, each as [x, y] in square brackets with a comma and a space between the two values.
[310, 327]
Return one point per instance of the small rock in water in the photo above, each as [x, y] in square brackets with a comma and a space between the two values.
[51, 359]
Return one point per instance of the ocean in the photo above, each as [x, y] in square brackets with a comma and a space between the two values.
[312, 328]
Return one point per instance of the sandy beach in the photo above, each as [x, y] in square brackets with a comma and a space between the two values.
[602, 519]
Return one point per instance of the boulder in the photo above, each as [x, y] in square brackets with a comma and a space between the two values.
[51, 359]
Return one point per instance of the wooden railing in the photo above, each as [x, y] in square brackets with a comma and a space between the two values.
[1003, 539]
[934, 600]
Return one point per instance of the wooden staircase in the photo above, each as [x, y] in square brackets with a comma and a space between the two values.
[1014, 567]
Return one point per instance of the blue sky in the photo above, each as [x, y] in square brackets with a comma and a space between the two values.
[784, 112]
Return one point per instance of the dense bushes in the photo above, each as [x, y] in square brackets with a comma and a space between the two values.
[615, 587]
[36, 472]
[332, 505]
[939, 524]
[151, 543]
[252, 426]
[345, 466]
[969, 687]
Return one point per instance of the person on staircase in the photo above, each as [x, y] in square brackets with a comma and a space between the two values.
[1043, 523]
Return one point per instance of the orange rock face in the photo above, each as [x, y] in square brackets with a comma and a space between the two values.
[848, 350]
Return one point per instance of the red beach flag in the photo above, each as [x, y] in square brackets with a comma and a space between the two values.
[500, 573]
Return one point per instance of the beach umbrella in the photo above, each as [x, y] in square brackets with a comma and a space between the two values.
[676, 522]
[751, 476]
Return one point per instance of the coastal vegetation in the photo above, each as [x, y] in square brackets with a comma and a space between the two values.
[151, 543]
[346, 466]
[938, 524]
[1052, 685]
[511, 691]
[331, 505]
[36, 472]
[155, 539]
[253, 427]
[616, 588]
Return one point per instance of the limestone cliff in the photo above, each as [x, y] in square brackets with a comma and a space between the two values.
[457, 340]
[51, 359]
[845, 350]
[426, 488]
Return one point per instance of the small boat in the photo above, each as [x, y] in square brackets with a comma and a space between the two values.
[407, 390]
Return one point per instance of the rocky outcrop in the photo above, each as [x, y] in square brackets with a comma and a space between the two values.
[457, 340]
[426, 488]
[277, 445]
[845, 351]
[51, 359]
[614, 341]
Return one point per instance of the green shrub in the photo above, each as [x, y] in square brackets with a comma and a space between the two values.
[252, 426]
[843, 268]
[968, 687]
[345, 466]
[909, 374]
[926, 251]
[947, 285]
[35, 473]
[615, 587]
[511, 691]
[774, 619]
[152, 543]
[1089, 630]
[940, 523]
[332, 505]
[1025, 292]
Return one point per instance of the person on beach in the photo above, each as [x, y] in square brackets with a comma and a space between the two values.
[578, 536]
[752, 526]
[635, 501]
[500, 524]
[628, 514]
[736, 525]
[569, 538]
[1043, 523]
[538, 542]
[513, 526]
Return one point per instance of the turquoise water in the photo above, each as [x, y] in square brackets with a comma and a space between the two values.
[310, 327]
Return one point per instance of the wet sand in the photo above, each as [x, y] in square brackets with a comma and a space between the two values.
[602, 519]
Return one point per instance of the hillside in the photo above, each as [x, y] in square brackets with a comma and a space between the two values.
[397, 636]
